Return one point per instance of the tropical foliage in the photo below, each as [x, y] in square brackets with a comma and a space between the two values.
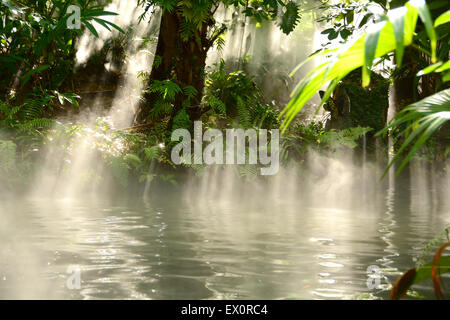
[37, 47]
[395, 31]
[431, 270]
[189, 29]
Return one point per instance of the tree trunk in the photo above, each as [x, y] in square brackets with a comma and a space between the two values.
[404, 85]
[183, 62]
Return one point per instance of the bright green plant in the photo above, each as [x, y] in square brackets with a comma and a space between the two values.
[392, 34]
[420, 121]
[236, 97]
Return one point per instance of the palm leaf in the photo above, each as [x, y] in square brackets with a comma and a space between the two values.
[442, 19]
[424, 118]
[391, 34]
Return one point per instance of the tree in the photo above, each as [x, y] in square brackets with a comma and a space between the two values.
[37, 46]
[188, 30]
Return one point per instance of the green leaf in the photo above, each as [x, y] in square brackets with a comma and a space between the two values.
[442, 19]
[332, 35]
[345, 33]
[97, 13]
[102, 22]
[364, 20]
[90, 27]
[327, 31]
[425, 16]
[370, 47]
[446, 77]
[424, 117]
[133, 159]
[106, 22]
[397, 19]
[152, 152]
[417, 275]
[429, 69]
[437, 67]
[350, 56]
[444, 67]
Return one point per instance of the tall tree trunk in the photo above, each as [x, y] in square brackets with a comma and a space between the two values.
[180, 61]
[404, 85]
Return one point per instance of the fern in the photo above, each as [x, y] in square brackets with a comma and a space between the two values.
[132, 159]
[31, 109]
[186, 30]
[220, 43]
[152, 152]
[160, 109]
[181, 120]
[243, 113]
[39, 123]
[169, 178]
[166, 88]
[190, 91]
[217, 105]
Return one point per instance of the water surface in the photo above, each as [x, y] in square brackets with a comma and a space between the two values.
[168, 249]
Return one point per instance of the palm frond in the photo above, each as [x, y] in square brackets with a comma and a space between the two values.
[391, 34]
[422, 120]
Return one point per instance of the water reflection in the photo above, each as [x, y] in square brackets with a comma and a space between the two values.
[208, 250]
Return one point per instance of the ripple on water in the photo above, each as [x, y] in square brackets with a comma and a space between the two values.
[180, 253]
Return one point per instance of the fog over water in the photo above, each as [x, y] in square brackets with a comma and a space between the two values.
[288, 238]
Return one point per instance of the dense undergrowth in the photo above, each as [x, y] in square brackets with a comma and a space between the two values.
[134, 158]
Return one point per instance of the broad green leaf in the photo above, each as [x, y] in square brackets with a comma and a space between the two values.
[349, 57]
[370, 47]
[397, 18]
[442, 19]
[424, 273]
[446, 77]
[437, 67]
[425, 16]
[416, 276]
[444, 67]
[424, 118]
